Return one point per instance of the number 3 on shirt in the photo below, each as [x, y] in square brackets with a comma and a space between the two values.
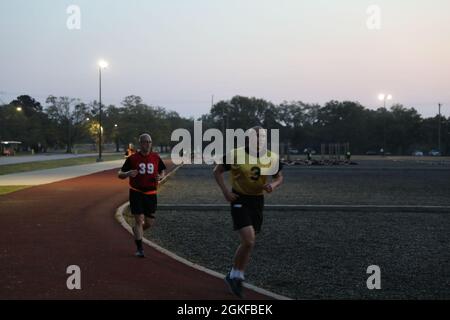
[149, 168]
[256, 173]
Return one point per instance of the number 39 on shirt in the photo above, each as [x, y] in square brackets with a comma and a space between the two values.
[146, 168]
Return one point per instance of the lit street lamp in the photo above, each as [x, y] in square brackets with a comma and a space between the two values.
[102, 64]
[383, 97]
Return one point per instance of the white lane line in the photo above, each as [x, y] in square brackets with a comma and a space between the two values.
[213, 206]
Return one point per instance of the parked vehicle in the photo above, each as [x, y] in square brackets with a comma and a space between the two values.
[434, 153]
[417, 153]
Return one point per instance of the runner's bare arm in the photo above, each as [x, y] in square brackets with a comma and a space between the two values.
[124, 175]
[218, 175]
[277, 180]
[161, 175]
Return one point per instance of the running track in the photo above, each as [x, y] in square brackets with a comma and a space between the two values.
[46, 228]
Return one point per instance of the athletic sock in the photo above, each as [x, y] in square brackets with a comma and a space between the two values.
[138, 244]
[235, 273]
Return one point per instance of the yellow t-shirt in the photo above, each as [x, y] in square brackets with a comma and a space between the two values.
[248, 174]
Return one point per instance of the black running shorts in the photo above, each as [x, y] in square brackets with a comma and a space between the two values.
[141, 203]
[247, 211]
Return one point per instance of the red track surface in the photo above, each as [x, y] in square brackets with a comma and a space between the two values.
[44, 229]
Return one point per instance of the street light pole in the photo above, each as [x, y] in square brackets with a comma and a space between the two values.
[101, 65]
[439, 131]
[116, 136]
[100, 116]
[384, 97]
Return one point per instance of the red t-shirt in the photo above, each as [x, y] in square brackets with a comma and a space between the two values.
[148, 168]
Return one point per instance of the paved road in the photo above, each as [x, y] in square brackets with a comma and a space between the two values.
[44, 229]
[57, 174]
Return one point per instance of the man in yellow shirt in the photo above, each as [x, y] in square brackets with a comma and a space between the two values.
[249, 180]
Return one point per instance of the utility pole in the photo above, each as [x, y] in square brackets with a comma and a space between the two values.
[439, 131]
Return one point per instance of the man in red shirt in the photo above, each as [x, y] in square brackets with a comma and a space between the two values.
[144, 168]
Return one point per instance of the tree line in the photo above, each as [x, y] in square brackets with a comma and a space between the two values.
[64, 122]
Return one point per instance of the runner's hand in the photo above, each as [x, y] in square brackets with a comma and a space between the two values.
[132, 173]
[230, 196]
[268, 188]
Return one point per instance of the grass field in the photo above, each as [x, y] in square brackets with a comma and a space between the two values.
[9, 189]
[51, 164]
[318, 254]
